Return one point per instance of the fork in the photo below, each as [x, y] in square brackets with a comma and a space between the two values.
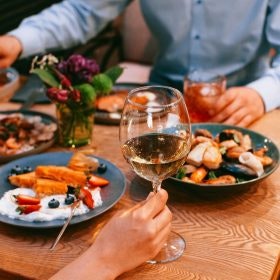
[73, 208]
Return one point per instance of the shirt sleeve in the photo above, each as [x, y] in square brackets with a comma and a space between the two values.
[66, 24]
[268, 86]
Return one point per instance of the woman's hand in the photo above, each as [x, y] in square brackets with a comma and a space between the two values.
[129, 239]
[238, 106]
[10, 49]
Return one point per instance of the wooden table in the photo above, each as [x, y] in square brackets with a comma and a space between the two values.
[229, 237]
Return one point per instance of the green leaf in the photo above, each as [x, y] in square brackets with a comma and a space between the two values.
[212, 175]
[181, 173]
[88, 93]
[240, 180]
[114, 73]
[102, 84]
[46, 77]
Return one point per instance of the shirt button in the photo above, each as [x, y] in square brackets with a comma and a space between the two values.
[199, 2]
[196, 37]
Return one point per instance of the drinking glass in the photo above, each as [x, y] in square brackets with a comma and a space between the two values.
[155, 138]
[201, 91]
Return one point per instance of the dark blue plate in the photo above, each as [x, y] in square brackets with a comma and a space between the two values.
[110, 194]
[258, 140]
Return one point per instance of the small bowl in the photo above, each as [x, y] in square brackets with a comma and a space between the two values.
[9, 83]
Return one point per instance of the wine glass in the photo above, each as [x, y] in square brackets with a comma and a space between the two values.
[155, 138]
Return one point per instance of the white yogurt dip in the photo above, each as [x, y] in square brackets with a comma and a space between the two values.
[8, 206]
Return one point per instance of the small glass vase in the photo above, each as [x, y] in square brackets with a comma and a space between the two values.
[74, 125]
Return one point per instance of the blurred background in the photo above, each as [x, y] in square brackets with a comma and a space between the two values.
[117, 43]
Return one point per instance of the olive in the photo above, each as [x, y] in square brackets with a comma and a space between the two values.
[16, 170]
[102, 168]
[53, 203]
[69, 199]
[27, 169]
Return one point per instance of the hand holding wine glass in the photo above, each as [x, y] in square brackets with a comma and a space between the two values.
[155, 138]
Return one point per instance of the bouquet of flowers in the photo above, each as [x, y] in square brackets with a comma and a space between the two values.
[73, 84]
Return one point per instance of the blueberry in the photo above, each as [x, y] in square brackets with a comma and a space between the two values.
[53, 203]
[27, 169]
[69, 199]
[16, 170]
[102, 168]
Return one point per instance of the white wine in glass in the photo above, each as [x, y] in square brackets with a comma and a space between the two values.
[155, 138]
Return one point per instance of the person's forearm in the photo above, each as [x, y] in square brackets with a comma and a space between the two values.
[90, 265]
[10, 50]
[65, 25]
[268, 87]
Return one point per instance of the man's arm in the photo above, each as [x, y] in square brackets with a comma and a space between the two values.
[244, 105]
[65, 25]
[268, 86]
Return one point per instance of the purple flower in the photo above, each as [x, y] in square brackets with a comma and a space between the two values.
[78, 68]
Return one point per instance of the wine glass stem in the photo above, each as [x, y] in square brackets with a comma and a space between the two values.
[156, 186]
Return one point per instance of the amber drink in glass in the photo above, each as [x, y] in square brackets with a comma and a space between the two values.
[201, 96]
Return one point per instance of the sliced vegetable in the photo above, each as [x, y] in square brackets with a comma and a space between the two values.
[96, 181]
[23, 199]
[26, 209]
[85, 195]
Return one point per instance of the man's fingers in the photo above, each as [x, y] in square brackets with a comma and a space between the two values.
[163, 218]
[239, 106]
[246, 121]
[224, 100]
[155, 204]
[151, 194]
[161, 239]
[227, 112]
[236, 117]
[4, 63]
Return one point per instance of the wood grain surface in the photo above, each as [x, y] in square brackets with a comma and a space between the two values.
[230, 235]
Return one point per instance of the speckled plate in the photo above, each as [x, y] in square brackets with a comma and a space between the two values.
[47, 119]
[258, 140]
[110, 194]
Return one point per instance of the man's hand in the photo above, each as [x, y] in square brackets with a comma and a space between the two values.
[10, 49]
[130, 238]
[238, 106]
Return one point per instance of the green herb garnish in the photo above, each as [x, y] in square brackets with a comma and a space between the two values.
[212, 175]
[181, 173]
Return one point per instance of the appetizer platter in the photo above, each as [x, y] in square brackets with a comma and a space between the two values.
[225, 156]
[38, 191]
[24, 132]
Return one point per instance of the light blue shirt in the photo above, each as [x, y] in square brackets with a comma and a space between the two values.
[227, 37]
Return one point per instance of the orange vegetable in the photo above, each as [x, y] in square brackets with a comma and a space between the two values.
[12, 143]
[198, 175]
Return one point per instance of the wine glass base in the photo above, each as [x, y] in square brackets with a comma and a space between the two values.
[172, 249]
